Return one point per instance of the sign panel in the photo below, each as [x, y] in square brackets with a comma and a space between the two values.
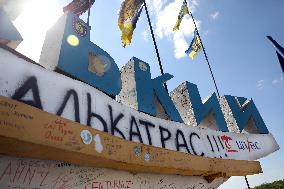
[77, 101]
[26, 131]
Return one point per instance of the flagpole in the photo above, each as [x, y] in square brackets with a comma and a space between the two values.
[207, 60]
[89, 12]
[155, 44]
[204, 52]
[247, 182]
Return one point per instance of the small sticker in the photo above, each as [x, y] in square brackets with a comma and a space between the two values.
[86, 137]
[147, 157]
[137, 150]
[143, 66]
[98, 144]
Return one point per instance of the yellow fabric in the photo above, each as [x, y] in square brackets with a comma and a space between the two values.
[192, 55]
[195, 48]
[126, 33]
[176, 27]
[183, 11]
[128, 16]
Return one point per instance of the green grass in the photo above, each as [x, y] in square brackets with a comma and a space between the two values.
[279, 184]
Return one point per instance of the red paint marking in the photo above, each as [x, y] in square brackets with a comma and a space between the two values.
[228, 146]
[249, 143]
[48, 135]
[57, 125]
[60, 122]
[232, 151]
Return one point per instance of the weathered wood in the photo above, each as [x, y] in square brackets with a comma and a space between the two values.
[29, 132]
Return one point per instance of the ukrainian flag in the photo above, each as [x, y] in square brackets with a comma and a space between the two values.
[195, 46]
[183, 11]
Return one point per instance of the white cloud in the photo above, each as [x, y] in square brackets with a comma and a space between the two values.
[214, 15]
[259, 84]
[275, 81]
[166, 16]
[278, 81]
[180, 46]
[145, 35]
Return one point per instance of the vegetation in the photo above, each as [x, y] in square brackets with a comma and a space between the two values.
[279, 184]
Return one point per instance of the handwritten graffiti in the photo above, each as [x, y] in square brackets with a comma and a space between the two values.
[248, 145]
[20, 173]
[57, 125]
[110, 184]
[23, 173]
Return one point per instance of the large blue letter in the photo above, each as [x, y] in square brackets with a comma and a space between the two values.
[84, 60]
[201, 110]
[243, 112]
[191, 108]
[164, 97]
[141, 92]
[137, 88]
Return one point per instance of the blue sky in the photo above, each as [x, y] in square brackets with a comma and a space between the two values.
[233, 32]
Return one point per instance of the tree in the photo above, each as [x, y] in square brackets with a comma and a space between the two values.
[279, 184]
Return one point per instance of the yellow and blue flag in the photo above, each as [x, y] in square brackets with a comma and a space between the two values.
[195, 46]
[128, 16]
[183, 11]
